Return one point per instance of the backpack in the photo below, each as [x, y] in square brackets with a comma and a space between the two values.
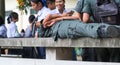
[107, 11]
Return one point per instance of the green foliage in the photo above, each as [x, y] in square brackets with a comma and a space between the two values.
[23, 5]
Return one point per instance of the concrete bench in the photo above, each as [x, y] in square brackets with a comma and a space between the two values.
[61, 49]
[49, 42]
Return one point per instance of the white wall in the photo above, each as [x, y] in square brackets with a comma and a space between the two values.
[70, 3]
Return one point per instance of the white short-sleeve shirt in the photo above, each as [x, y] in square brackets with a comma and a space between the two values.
[43, 13]
[12, 30]
[56, 11]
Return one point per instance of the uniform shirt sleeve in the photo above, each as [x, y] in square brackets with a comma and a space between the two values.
[79, 6]
[89, 8]
[86, 8]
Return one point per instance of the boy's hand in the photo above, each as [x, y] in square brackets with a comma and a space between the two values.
[37, 24]
[49, 23]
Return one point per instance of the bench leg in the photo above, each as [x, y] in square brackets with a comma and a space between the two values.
[58, 53]
[50, 53]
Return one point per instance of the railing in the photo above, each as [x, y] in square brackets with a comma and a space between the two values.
[54, 54]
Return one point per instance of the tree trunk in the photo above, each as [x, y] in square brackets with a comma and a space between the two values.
[2, 8]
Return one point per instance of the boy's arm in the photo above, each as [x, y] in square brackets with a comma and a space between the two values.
[51, 19]
[86, 17]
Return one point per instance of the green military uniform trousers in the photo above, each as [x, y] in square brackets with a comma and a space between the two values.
[71, 29]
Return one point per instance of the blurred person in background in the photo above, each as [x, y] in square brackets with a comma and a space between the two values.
[12, 31]
[22, 33]
[3, 29]
[28, 52]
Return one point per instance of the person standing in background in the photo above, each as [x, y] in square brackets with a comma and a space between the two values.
[28, 52]
[3, 29]
[39, 6]
[28, 32]
[12, 31]
[3, 32]
[42, 11]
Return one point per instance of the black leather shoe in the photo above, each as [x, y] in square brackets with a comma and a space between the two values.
[111, 31]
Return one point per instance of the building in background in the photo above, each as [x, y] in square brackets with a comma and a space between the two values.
[11, 5]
